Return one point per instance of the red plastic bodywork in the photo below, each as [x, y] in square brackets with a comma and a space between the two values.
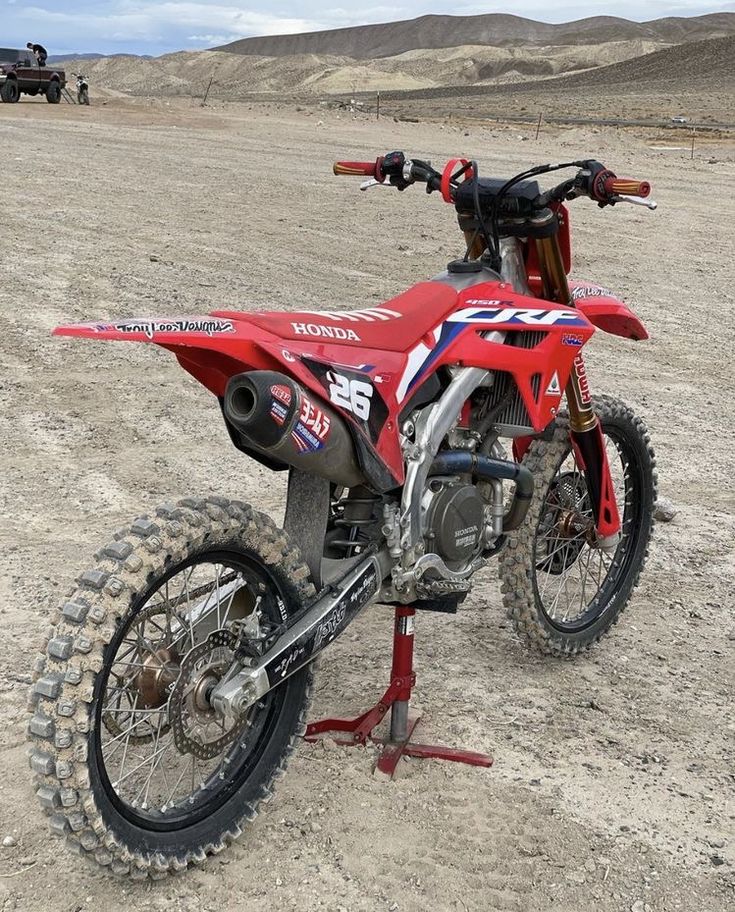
[606, 311]
[397, 346]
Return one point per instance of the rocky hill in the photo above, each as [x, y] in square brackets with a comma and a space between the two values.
[494, 29]
[694, 66]
[236, 75]
[458, 73]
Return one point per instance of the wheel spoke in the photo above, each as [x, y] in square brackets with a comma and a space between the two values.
[148, 765]
[573, 576]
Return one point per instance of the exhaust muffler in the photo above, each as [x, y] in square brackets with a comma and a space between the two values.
[279, 418]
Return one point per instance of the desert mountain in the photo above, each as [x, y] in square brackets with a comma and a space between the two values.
[694, 66]
[494, 29]
[445, 72]
[188, 73]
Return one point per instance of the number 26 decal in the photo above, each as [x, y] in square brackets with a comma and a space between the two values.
[351, 395]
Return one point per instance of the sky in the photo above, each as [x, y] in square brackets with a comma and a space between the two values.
[160, 26]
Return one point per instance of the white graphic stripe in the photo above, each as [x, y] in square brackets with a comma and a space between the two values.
[416, 358]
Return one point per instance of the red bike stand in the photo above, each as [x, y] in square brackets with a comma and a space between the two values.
[397, 699]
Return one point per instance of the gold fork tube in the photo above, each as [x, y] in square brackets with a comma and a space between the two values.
[556, 288]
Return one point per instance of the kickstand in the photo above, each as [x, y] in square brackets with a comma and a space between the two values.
[397, 699]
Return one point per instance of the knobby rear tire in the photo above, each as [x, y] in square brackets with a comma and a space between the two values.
[66, 690]
[519, 561]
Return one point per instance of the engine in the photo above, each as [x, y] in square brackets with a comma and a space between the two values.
[454, 520]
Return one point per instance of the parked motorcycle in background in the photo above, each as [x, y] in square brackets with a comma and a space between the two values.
[82, 89]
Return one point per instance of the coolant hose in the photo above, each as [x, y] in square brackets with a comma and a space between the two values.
[462, 462]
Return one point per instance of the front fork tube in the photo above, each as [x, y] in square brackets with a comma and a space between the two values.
[591, 455]
[586, 433]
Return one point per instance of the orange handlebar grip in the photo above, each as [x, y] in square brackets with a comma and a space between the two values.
[627, 187]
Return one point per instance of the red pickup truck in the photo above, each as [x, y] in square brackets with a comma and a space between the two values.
[20, 74]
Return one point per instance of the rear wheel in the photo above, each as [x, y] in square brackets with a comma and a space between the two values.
[132, 764]
[10, 91]
[53, 93]
[561, 591]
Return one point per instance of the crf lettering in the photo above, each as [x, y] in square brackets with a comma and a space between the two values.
[527, 316]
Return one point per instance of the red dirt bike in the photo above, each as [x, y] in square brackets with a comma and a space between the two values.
[177, 677]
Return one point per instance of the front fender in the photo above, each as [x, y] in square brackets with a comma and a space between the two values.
[606, 311]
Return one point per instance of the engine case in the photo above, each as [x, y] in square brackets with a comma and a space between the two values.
[454, 520]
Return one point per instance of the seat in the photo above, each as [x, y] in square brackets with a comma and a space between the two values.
[397, 325]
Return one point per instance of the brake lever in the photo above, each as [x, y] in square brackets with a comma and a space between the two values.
[635, 201]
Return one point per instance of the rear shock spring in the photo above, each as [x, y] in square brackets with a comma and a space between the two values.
[355, 515]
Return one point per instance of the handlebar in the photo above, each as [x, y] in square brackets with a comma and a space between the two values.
[593, 179]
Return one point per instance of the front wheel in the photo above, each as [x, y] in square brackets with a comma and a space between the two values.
[132, 764]
[561, 591]
[10, 91]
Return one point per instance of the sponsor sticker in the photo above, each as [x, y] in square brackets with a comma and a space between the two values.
[282, 393]
[150, 327]
[584, 385]
[312, 429]
[591, 291]
[279, 412]
[572, 339]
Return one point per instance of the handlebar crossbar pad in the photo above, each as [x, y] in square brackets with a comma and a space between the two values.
[518, 201]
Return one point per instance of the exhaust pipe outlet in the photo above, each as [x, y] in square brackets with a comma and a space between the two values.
[279, 418]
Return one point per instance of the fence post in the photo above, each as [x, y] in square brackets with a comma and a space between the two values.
[206, 94]
[538, 125]
[377, 106]
[694, 133]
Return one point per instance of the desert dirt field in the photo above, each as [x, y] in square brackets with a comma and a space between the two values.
[614, 776]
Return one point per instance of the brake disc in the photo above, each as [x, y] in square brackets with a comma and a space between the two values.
[570, 527]
[191, 716]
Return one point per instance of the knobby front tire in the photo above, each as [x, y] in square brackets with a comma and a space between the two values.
[561, 593]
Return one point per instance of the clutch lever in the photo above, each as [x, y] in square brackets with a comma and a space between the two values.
[368, 184]
[635, 201]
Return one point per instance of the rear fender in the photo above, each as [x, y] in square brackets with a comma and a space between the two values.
[606, 311]
[211, 349]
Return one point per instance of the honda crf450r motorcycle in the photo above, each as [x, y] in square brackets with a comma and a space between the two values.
[423, 437]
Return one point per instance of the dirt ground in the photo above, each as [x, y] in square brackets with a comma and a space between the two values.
[614, 776]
